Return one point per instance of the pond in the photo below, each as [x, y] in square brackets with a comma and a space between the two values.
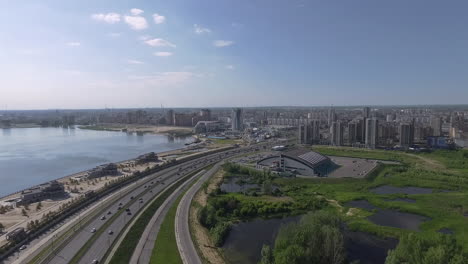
[367, 248]
[363, 204]
[405, 200]
[387, 217]
[388, 189]
[245, 241]
[392, 218]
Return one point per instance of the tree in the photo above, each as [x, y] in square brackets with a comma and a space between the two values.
[315, 239]
[38, 206]
[267, 255]
[433, 249]
[23, 212]
[1, 227]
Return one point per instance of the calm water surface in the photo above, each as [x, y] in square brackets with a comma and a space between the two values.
[30, 156]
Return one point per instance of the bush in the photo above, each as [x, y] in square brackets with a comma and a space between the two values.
[220, 232]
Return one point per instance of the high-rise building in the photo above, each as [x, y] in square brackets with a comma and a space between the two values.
[170, 117]
[205, 115]
[372, 132]
[309, 132]
[366, 112]
[436, 124]
[331, 115]
[406, 135]
[336, 133]
[236, 119]
[352, 132]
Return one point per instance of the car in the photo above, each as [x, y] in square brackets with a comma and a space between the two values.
[141, 201]
[109, 212]
[120, 207]
[110, 232]
[131, 197]
[120, 204]
[151, 191]
[127, 209]
[23, 247]
[129, 213]
[103, 217]
[95, 261]
[93, 230]
[144, 186]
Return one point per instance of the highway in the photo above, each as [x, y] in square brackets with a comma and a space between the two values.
[187, 250]
[104, 240]
[144, 249]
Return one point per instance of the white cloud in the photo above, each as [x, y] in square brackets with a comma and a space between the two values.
[222, 43]
[163, 54]
[74, 44]
[201, 30]
[135, 62]
[158, 19]
[115, 34]
[136, 11]
[136, 22]
[230, 67]
[164, 78]
[158, 42]
[110, 18]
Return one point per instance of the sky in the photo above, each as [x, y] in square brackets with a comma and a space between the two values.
[214, 53]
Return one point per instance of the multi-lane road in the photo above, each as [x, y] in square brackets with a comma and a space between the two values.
[143, 191]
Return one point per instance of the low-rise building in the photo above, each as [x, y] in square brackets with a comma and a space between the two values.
[146, 158]
[44, 191]
[103, 170]
[302, 162]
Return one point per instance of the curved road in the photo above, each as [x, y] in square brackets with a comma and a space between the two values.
[187, 249]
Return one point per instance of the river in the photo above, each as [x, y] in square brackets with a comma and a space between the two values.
[30, 156]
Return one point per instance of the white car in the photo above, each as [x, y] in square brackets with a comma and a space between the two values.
[23, 247]
[110, 232]
[93, 230]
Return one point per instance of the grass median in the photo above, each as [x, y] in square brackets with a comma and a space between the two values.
[165, 250]
[125, 250]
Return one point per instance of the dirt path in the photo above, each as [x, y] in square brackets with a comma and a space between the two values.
[210, 253]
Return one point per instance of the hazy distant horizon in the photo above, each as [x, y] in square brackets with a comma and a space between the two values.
[247, 107]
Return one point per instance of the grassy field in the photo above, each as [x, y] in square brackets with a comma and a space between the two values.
[165, 249]
[440, 170]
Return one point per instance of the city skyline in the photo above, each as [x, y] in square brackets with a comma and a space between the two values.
[114, 54]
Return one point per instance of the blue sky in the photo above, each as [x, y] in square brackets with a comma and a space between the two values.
[93, 54]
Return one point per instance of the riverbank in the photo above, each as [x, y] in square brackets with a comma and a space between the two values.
[76, 186]
[175, 131]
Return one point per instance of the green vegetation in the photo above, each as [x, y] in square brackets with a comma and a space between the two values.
[445, 172]
[165, 250]
[435, 249]
[315, 239]
[223, 209]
